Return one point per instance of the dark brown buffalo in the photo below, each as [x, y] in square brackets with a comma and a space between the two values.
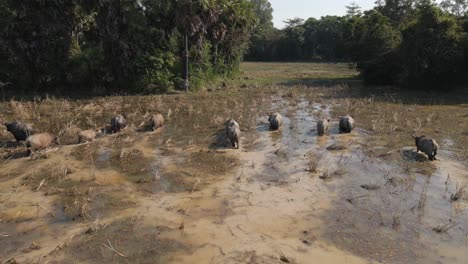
[427, 145]
[19, 130]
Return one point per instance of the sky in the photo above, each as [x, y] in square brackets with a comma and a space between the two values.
[285, 9]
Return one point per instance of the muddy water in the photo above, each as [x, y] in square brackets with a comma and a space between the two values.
[179, 195]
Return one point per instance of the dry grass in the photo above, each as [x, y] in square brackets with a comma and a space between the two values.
[393, 118]
[96, 226]
[396, 223]
[51, 179]
[186, 211]
[458, 194]
[282, 152]
[370, 187]
[443, 228]
[123, 241]
[313, 160]
[76, 205]
[422, 198]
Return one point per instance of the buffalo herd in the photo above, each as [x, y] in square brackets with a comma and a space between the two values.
[24, 132]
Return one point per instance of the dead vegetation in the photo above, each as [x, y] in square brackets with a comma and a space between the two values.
[329, 175]
[443, 228]
[370, 187]
[336, 147]
[282, 152]
[122, 241]
[352, 199]
[458, 194]
[186, 211]
[212, 162]
[313, 160]
[95, 227]
[76, 204]
[50, 179]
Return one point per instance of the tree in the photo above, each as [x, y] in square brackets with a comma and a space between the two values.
[239, 20]
[464, 44]
[331, 35]
[35, 41]
[353, 10]
[396, 10]
[431, 49]
[311, 42]
[264, 13]
[455, 7]
[262, 33]
[412, 43]
[375, 44]
[293, 44]
[123, 45]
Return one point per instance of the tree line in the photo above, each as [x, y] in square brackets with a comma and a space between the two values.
[413, 43]
[119, 46]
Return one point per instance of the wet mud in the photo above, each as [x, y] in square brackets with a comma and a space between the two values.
[182, 195]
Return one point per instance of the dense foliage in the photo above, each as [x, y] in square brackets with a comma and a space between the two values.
[119, 45]
[414, 43]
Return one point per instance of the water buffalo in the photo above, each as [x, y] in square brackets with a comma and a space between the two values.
[118, 123]
[323, 126]
[233, 132]
[19, 130]
[87, 135]
[276, 121]
[156, 122]
[346, 124]
[40, 141]
[427, 145]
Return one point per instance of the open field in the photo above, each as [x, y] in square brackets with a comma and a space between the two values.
[181, 195]
[267, 73]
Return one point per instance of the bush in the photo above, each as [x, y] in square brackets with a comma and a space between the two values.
[158, 72]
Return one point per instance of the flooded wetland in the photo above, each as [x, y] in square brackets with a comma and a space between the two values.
[181, 194]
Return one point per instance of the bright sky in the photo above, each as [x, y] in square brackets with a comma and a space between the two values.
[285, 9]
